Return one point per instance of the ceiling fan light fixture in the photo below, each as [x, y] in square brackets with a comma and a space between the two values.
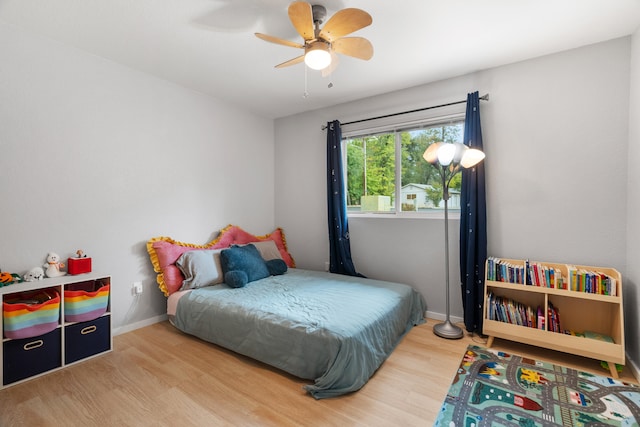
[317, 56]
[322, 44]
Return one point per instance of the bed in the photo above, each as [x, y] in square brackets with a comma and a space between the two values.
[331, 329]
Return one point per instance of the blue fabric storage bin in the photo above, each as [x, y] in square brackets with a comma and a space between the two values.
[85, 339]
[24, 358]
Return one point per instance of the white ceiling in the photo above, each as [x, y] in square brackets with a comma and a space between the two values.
[209, 46]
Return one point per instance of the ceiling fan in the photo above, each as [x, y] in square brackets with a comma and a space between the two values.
[321, 44]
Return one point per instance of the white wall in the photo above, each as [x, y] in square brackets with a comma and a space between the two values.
[94, 155]
[555, 135]
[632, 279]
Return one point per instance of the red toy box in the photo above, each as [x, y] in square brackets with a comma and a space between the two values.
[78, 265]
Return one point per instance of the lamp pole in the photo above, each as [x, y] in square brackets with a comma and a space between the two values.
[447, 329]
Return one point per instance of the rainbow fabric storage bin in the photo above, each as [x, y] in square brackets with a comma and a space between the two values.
[85, 301]
[30, 314]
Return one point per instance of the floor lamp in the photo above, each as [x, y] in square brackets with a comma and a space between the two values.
[449, 159]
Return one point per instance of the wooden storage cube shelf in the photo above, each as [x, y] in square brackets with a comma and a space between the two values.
[578, 312]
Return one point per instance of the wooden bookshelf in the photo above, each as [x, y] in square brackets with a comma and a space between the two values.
[579, 311]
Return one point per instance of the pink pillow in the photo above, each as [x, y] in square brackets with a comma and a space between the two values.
[164, 252]
[233, 235]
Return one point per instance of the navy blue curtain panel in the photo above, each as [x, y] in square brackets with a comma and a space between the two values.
[473, 223]
[339, 244]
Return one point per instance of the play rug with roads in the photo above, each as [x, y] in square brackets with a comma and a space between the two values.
[495, 388]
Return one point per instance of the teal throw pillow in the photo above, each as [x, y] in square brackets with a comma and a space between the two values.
[276, 267]
[245, 259]
[236, 278]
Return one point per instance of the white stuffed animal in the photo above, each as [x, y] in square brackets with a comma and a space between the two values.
[36, 273]
[53, 265]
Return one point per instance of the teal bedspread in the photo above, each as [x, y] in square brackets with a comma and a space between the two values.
[335, 330]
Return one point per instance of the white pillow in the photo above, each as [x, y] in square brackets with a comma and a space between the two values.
[200, 268]
[267, 248]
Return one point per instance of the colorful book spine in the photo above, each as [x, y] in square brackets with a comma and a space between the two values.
[507, 310]
[593, 282]
[566, 277]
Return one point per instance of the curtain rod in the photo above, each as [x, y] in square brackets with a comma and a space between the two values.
[484, 97]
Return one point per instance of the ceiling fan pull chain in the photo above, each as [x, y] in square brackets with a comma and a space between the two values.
[306, 93]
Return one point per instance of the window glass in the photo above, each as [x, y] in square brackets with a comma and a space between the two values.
[376, 163]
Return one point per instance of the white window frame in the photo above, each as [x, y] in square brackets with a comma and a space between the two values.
[360, 131]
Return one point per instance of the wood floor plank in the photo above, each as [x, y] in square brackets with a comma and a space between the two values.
[158, 376]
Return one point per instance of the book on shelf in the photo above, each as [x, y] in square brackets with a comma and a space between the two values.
[545, 276]
[593, 282]
[553, 317]
[539, 274]
[525, 273]
[507, 310]
[500, 270]
[541, 322]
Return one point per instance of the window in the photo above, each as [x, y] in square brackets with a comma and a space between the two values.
[375, 163]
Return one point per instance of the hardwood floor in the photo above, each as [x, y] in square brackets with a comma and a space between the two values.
[157, 376]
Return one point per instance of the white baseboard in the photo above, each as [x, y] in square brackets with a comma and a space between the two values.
[137, 325]
[440, 316]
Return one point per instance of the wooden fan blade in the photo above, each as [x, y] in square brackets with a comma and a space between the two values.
[301, 16]
[357, 47]
[344, 22]
[293, 61]
[277, 40]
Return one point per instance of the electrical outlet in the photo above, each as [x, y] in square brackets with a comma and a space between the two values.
[326, 266]
[137, 288]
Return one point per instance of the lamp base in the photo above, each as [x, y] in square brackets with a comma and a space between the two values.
[448, 330]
